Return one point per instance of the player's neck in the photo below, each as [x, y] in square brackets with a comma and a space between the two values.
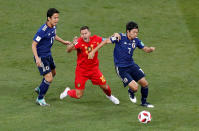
[49, 24]
[129, 37]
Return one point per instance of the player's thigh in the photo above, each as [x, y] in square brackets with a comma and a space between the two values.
[143, 82]
[136, 72]
[51, 63]
[97, 78]
[53, 72]
[80, 80]
[45, 66]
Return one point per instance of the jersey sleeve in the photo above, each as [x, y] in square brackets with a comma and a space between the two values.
[78, 45]
[140, 44]
[39, 35]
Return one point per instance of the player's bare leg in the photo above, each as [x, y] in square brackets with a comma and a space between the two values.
[133, 87]
[53, 72]
[107, 91]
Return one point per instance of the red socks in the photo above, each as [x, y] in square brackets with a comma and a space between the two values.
[107, 91]
[72, 93]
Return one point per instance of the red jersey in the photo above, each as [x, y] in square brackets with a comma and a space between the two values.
[83, 49]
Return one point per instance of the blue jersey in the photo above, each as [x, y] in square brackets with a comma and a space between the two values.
[45, 37]
[123, 51]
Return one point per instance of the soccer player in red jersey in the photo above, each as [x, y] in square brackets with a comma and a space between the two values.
[87, 69]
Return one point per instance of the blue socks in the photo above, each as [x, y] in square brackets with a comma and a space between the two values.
[131, 92]
[43, 88]
[144, 92]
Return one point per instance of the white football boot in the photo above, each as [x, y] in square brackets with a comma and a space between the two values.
[65, 93]
[113, 99]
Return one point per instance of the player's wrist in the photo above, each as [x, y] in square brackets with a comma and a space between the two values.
[74, 43]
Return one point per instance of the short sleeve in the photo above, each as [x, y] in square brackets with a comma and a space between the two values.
[140, 44]
[78, 45]
[39, 36]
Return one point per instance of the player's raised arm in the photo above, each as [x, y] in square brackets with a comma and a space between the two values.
[71, 46]
[114, 37]
[92, 53]
[148, 49]
[61, 40]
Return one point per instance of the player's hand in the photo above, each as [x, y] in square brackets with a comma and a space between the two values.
[75, 40]
[38, 62]
[117, 36]
[67, 42]
[91, 55]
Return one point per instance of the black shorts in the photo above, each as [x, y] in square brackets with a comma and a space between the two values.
[47, 65]
[127, 74]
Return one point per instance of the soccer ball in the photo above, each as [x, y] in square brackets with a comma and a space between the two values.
[144, 117]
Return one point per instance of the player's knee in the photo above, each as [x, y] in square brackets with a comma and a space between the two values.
[145, 84]
[49, 79]
[54, 73]
[79, 95]
[135, 88]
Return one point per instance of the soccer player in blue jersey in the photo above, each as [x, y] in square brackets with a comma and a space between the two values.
[41, 48]
[126, 68]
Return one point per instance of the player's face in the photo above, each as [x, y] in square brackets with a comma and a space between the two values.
[53, 20]
[132, 34]
[85, 34]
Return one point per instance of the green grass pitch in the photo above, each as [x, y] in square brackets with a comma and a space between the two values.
[172, 70]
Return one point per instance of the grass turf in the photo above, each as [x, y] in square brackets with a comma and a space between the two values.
[172, 70]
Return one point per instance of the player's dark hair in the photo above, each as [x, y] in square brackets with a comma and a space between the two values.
[131, 25]
[83, 28]
[51, 11]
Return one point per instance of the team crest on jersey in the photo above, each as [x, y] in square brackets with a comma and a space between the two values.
[133, 45]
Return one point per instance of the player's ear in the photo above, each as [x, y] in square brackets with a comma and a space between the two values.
[48, 18]
[127, 31]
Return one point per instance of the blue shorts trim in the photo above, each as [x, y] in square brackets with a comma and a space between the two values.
[127, 74]
[47, 65]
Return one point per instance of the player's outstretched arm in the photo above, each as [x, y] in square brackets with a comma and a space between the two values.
[92, 53]
[148, 49]
[62, 41]
[71, 46]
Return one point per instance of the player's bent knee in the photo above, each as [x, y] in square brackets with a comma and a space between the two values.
[135, 88]
[145, 84]
[54, 73]
[79, 94]
[49, 79]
